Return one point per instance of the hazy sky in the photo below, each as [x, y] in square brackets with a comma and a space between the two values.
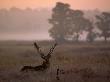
[103, 5]
[76, 4]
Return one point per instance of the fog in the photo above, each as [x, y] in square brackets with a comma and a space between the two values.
[29, 24]
[24, 24]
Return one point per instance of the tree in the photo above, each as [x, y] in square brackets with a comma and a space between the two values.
[59, 21]
[104, 24]
[91, 36]
[79, 23]
[67, 22]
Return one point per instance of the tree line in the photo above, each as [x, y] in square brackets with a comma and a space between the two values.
[68, 24]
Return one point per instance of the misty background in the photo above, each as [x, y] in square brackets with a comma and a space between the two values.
[30, 24]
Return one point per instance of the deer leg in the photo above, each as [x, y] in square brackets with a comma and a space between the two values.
[57, 77]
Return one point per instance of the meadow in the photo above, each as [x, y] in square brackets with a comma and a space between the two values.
[80, 62]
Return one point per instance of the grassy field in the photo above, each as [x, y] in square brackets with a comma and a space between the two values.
[81, 62]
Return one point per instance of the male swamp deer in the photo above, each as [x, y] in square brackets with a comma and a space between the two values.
[45, 64]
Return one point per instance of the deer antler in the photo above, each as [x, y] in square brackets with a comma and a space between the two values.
[51, 50]
[42, 54]
[39, 50]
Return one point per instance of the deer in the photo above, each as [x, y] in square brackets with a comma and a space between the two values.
[46, 59]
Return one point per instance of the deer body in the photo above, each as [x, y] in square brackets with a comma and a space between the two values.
[27, 68]
[42, 67]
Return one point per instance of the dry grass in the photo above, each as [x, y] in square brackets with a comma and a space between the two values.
[81, 62]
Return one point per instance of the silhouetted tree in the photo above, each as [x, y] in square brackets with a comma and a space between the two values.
[67, 22]
[104, 24]
[79, 23]
[59, 21]
[91, 36]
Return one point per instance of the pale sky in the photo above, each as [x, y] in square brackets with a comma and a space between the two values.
[75, 4]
